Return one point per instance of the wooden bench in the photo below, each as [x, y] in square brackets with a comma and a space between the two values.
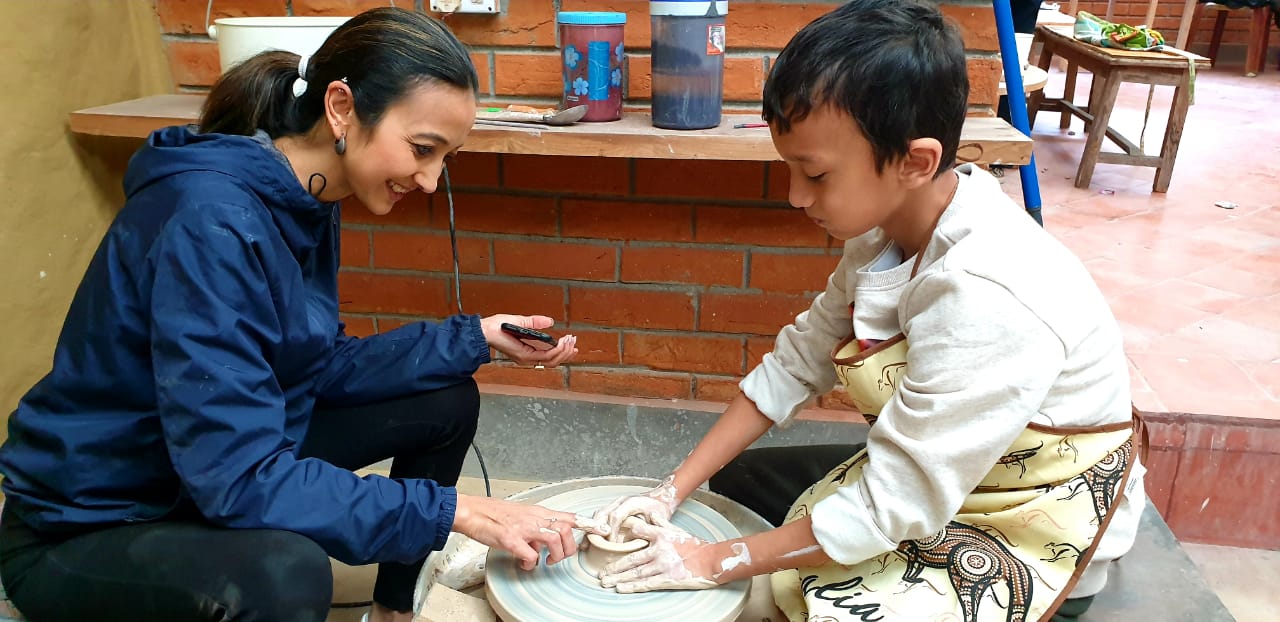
[1110, 68]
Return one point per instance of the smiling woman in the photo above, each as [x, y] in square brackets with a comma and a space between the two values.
[190, 454]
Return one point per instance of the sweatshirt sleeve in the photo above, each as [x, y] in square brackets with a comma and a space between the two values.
[215, 331]
[413, 358]
[799, 367]
[979, 365]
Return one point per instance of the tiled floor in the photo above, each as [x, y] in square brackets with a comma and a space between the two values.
[1195, 286]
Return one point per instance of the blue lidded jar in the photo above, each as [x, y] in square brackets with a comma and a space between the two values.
[688, 62]
[591, 62]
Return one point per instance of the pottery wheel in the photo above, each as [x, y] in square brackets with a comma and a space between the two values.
[566, 592]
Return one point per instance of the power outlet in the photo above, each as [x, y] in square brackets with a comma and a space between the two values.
[465, 6]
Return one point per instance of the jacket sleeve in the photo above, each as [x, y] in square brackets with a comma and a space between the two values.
[799, 367]
[215, 331]
[410, 359]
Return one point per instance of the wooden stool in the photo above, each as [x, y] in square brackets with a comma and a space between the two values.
[1111, 67]
[1259, 33]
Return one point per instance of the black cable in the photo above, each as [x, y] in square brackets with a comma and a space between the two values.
[457, 296]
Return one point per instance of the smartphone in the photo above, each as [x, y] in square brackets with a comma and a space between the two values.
[522, 333]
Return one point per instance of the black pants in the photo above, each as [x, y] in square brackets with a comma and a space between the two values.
[769, 480]
[182, 568]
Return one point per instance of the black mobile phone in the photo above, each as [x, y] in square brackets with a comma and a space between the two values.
[520, 332]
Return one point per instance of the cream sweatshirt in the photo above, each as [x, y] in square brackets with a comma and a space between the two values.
[1005, 327]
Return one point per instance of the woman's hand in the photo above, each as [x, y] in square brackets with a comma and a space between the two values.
[674, 560]
[524, 353]
[520, 529]
[655, 507]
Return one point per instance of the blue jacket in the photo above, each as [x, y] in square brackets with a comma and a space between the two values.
[203, 334]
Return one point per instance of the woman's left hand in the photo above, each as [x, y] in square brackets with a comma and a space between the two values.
[522, 352]
[674, 560]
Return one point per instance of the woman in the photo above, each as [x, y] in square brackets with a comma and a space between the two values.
[189, 455]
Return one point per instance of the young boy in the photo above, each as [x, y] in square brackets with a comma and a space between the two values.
[999, 478]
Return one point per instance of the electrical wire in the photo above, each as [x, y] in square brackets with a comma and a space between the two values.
[457, 297]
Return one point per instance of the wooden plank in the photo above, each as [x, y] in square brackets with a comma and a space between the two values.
[984, 140]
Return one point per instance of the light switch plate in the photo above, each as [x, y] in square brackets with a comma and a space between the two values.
[465, 6]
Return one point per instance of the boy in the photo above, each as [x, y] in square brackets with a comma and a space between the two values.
[999, 476]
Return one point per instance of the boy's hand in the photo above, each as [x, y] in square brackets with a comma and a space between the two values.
[655, 507]
[674, 560]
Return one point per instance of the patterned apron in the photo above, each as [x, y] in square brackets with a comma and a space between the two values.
[1014, 551]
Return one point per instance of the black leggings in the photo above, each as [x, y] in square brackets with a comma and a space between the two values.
[770, 479]
[182, 568]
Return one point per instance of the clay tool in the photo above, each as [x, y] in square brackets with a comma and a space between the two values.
[739, 126]
[517, 114]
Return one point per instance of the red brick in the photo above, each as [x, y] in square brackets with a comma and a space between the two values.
[715, 389]
[631, 308]
[527, 74]
[357, 325]
[630, 384]
[497, 213]
[488, 297]
[668, 264]
[743, 78]
[522, 23]
[790, 273]
[473, 169]
[335, 8]
[708, 355]
[483, 71]
[193, 63]
[639, 77]
[596, 346]
[414, 210]
[566, 173]
[371, 292]
[555, 260]
[977, 25]
[770, 24]
[984, 81]
[388, 324]
[757, 226]
[509, 373]
[355, 248]
[716, 179]
[779, 181]
[758, 314]
[757, 347]
[611, 220]
[187, 16]
[429, 251]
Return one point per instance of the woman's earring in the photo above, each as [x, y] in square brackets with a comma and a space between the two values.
[340, 145]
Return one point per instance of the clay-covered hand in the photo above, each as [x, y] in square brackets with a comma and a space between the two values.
[525, 353]
[674, 560]
[520, 529]
[655, 507]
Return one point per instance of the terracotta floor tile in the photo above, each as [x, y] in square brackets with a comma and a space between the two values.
[1191, 294]
[1238, 341]
[1266, 375]
[1161, 314]
[1234, 278]
[1196, 383]
[1261, 312]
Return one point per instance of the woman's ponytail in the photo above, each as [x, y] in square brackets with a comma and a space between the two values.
[256, 94]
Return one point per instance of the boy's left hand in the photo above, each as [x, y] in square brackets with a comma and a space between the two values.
[674, 560]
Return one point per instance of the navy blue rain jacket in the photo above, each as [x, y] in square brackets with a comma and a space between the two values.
[202, 336]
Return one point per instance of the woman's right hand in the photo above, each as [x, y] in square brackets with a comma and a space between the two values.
[655, 507]
[519, 529]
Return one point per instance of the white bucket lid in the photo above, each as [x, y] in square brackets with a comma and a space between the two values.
[689, 8]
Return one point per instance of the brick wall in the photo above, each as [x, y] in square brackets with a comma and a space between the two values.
[675, 275]
[1169, 15]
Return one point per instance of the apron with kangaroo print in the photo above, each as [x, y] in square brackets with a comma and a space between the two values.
[1012, 553]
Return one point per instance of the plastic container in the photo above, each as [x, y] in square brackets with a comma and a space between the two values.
[688, 62]
[241, 37]
[591, 44]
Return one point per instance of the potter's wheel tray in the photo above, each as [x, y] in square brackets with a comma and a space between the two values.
[566, 592]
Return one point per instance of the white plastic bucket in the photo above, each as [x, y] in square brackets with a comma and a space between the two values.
[241, 37]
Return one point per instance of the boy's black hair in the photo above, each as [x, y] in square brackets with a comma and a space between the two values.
[897, 67]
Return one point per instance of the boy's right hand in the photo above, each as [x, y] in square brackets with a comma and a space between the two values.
[655, 507]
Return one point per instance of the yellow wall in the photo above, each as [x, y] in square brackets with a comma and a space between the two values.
[60, 190]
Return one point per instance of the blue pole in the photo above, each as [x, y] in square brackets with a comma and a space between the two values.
[1017, 102]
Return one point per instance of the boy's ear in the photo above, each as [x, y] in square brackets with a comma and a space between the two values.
[919, 165]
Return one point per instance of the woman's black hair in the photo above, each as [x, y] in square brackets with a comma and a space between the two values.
[381, 54]
[897, 67]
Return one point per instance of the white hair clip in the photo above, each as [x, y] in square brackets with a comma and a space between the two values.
[300, 85]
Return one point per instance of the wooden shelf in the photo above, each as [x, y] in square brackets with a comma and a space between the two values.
[984, 140]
